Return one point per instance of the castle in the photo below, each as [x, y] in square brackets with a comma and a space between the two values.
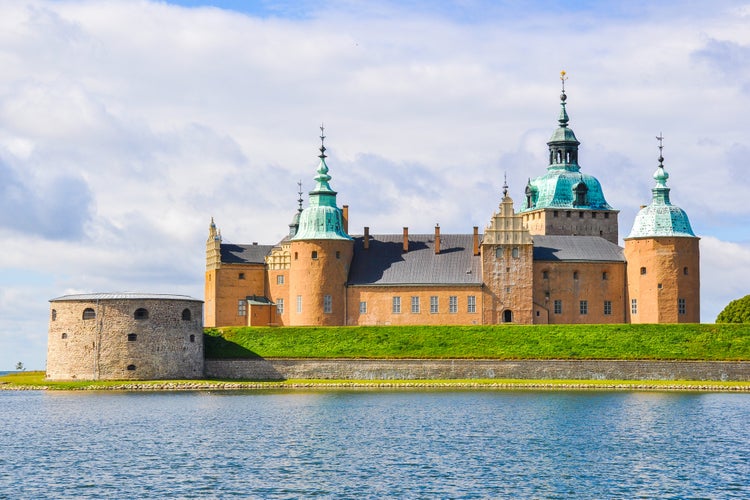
[556, 260]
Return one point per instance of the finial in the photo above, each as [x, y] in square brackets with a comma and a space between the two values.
[562, 79]
[322, 141]
[505, 185]
[299, 200]
[660, 138]
[563, 118]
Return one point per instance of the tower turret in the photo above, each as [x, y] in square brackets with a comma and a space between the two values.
[321, 255]
[566, 201]
[663, 258]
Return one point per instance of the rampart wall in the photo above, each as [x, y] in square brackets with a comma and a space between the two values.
[415, 369]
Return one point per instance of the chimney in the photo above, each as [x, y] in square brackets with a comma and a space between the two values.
[476, 240]
[437, 239]
[406, 240]
[345, 216]
[366, 242]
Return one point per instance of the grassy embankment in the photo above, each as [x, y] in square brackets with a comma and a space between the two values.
[720, 342]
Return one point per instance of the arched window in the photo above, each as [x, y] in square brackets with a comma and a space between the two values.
[580, 191]
[685, 271]
[575, 275]
[89, 313]
[64, 336]
[514, 252]
[186, 314]
[192, 338]
[54, 313]
[131, 368]
[140, 313]
[132, 337]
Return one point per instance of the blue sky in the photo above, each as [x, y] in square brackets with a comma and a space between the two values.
[125, 126]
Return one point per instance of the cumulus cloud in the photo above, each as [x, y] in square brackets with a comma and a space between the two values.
[124, 126]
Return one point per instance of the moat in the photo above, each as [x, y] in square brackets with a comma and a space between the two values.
[374, 444]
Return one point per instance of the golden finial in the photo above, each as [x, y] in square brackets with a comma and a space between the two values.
[562, 79]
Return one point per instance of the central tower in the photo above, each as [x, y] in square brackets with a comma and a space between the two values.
[321, 253]
[565, 201]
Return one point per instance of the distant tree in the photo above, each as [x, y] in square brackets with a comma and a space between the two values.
[737, 311]
[20, 367]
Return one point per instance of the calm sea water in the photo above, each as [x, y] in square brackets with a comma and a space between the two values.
[374, 444]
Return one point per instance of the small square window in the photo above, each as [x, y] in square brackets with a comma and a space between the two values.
[580, 215]
[314, 255]
[643, 270]
[241, 276]
[605, 276]
[280, 279]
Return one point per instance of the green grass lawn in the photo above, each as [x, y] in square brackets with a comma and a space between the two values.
[669, 342]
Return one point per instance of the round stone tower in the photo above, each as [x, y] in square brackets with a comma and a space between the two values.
[125, 336]
[321, 253]
[663, 261]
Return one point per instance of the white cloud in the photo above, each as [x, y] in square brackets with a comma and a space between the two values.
[124, 126]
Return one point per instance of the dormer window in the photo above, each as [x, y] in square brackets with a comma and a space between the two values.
[580, 192]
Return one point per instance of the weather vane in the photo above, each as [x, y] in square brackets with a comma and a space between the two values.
[562, 79]
[322, 141]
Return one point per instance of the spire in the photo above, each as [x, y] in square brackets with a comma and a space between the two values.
[563, 145]
[299, 193]
[294, 225]
[661, 191]
[322, 178]
[505, 185]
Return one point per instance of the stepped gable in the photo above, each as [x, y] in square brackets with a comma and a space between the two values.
[385, 263]
[576, 248]
[244, 254]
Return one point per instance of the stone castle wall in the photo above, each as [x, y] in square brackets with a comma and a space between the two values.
[414, 369]
[112, 344]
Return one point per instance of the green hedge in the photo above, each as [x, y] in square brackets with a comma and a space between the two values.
[681, 342]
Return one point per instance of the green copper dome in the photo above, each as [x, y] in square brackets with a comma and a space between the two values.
[564, 186]
[322, 219]
[660, 217]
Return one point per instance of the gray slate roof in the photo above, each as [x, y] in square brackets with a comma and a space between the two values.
[123, 295]
[384, 263]
[244, 254]
[576, 248]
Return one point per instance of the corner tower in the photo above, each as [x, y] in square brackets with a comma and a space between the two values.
[565, 201]
[663, 260]
[321, 253]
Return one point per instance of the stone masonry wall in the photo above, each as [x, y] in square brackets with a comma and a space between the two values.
[411, 369]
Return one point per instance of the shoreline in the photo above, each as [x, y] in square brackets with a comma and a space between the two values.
[536, 385]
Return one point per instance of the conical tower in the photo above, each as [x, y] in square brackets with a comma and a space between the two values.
[565, 201]
[321, 254]
[663, 256]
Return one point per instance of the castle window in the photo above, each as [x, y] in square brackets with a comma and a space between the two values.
[554, 214]
[557, 307]
[453, 304]
[299, 303]
[643, 270]
[396, 307]
[514, 252]
[606, 215]
[192, 338]
[327, 304]
[593, 215]
[131, 368]
[415, 309]
[545, 275]
[433, 304]
[499, 252]
[338, 254]
[658, 286]
[567, 214]
[89, 313]
[132, 337]
[605, 276]
[580, 215]
[575, 275]
[54, 314]
[140, 313]
[580, 190]
[681, 306]
[241, 276]
[280, 306]
[362, 307]
[471, 304]
[685, 271]
[241, 307]
[583, 307]
[314, 255]
[186, 316]
[280, 279]
[607, 307]
[296, 255]
[64, 336]
[633, 306]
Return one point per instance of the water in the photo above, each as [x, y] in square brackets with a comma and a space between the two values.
[374, 444]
